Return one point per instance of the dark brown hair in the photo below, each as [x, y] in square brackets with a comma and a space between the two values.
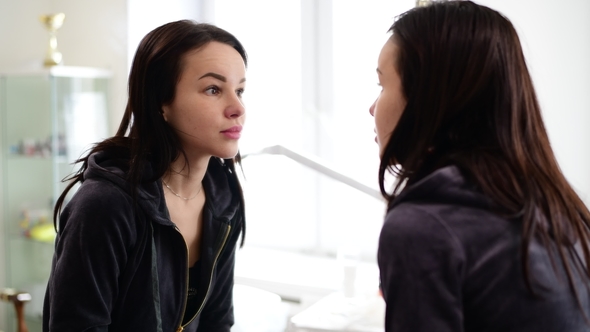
[471, 103]
[143, 135]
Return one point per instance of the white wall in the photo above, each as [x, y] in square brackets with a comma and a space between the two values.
[556, 39]
[94, 34]
[145, 15]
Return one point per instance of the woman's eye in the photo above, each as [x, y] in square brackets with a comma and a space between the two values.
[213, 90]
[240, 92]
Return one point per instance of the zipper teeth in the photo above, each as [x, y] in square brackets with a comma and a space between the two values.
[180, 328]
[210, 280]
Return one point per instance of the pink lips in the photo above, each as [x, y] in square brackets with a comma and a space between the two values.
[233, 132]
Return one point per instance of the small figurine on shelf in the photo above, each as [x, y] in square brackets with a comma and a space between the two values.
[29, 146]
[37, 147]
[62, 149]
[37, 226]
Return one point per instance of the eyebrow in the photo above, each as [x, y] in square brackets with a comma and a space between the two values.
[379, 72]
[219, 77]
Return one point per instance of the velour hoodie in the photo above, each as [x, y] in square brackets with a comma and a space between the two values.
[450, 264]
[120, 267]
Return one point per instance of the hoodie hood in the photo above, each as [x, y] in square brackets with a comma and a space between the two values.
[446, 185]
[219, 184]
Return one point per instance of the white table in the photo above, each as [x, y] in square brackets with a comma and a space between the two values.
[336, 312]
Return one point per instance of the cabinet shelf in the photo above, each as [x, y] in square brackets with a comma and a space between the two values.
[19, 237]
[27, 158]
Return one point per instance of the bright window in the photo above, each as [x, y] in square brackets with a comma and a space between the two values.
[311, 81]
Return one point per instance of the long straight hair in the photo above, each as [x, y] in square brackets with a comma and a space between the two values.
[143, 136]
[471, 103]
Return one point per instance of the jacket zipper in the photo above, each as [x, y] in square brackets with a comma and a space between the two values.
[181, 327]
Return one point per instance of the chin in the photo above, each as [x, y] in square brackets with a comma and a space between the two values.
[228, 154]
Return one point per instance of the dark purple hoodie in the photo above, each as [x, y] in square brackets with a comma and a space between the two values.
[118, 267]
[449, 264]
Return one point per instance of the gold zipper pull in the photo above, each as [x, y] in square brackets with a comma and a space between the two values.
[179, 329]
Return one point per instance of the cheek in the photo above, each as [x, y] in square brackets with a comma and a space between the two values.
[392, 108]
[179, 119]
[384, 117]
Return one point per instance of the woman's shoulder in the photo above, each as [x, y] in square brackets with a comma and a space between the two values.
[464, 226]
[418, 222]
[446, 199]
[415, 240]
[99, 197]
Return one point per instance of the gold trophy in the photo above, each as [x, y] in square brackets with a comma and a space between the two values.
[52, 22]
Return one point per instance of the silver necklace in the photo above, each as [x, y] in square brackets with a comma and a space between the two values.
[177, 195]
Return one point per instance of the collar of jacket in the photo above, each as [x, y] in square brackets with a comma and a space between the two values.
[445, 185]
[219, 183]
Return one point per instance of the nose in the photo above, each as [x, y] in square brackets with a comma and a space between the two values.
[372, 109]
[236, 108]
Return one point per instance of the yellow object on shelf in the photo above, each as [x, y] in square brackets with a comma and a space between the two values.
[44, 232]
[36, 225]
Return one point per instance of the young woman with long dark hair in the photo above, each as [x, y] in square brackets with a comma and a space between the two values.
[483, 231]
[147, 243]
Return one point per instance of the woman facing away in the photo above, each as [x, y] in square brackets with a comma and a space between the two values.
[147, 242]
[483, 232]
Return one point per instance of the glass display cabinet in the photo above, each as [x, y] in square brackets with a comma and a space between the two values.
[48, 119]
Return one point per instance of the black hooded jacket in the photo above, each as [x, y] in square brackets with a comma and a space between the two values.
[118, 267]
[450, 264]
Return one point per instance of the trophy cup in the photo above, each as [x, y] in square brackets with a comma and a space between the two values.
[52, 22]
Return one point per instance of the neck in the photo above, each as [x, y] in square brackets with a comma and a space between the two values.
[184, 178]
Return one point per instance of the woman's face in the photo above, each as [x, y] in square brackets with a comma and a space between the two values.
[207, 112]
[390, 103]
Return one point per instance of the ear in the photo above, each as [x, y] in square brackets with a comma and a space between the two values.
[164, 111]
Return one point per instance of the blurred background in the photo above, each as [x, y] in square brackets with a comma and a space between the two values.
[310, 166]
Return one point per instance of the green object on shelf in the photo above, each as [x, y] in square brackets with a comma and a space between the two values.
[43, 232]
